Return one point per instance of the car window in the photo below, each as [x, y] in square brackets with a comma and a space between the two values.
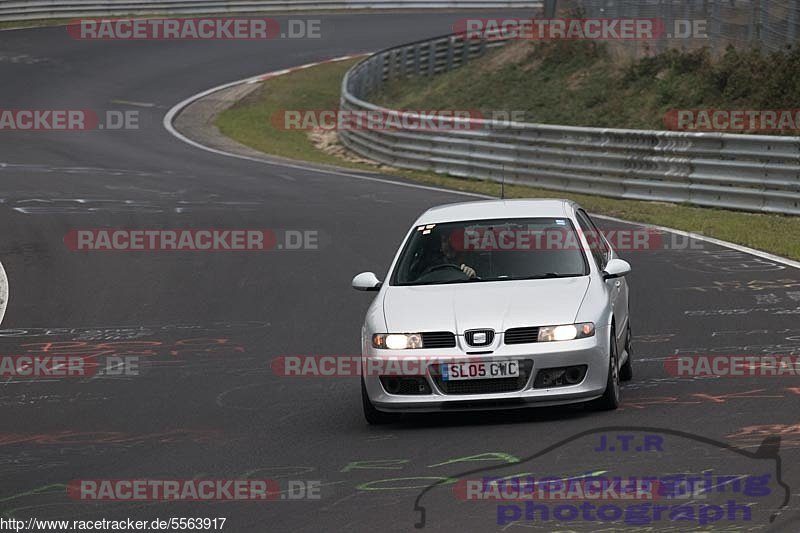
[490, 250]
[603, 243]
[594, 238]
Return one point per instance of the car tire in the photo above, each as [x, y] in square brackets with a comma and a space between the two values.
[371, 414]
[611, 396]
[626, 371]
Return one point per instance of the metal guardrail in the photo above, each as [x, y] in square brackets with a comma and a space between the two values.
[747, 172]
[11, 10]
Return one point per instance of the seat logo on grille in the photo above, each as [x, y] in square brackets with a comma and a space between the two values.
[479, 337]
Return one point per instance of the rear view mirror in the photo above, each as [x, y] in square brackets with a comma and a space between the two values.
[616, 268]
[366, 281]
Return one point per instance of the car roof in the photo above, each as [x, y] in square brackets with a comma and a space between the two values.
[496, 209]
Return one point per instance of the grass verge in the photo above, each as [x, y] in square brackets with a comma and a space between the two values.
[582, 83]
[250, 122]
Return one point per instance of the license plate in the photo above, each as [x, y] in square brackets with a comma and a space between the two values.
[480, 370]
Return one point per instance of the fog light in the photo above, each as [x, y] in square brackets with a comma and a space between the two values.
[391, 385]
[573, 375]
[548, 378]
[405, 385]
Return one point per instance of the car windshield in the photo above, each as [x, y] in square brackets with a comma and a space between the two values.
[490, 250]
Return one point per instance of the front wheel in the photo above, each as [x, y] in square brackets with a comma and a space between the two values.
[373, 416]
[610, 399]
[626, 372]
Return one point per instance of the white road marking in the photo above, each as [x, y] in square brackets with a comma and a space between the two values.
[712, 240]
[177, 108]
[135, 104]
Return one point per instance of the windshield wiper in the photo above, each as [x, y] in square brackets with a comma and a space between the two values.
[448, 282]
[550, 275]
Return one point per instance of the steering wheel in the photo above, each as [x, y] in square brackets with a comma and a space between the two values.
[434, 268]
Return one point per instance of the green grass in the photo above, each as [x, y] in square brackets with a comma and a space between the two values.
[249, 122]
[581, 83]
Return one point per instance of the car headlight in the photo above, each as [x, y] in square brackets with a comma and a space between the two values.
[566, 332]
[397, 341]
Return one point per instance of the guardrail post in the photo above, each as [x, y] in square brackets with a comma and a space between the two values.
[763, 24]
[753, 28]
[431, 59]
[449, 63]
[390, 70]
[715, 30]
[387, 67]
[373, 75]
[363, 81]
[464, 50]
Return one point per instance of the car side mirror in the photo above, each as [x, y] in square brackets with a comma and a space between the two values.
[366, 281]
[616, 268]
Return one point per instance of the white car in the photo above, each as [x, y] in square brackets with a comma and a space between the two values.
[497, 304]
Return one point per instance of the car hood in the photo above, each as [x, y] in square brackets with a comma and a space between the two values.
[497, 305]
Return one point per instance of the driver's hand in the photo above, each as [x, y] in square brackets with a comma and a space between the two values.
[469, 271]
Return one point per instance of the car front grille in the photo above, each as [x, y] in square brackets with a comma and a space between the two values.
[484, 386]
[438, 339]
[469, 336]
[521, 335]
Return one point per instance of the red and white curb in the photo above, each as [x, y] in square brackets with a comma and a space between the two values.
[180, 106]
[175, 110]
[270, 75]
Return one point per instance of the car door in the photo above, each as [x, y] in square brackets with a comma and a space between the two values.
[617, 288]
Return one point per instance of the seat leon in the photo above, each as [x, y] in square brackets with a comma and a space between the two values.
[496, 304]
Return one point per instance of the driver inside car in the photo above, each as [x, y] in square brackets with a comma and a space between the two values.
[440, 251]
[450, 255]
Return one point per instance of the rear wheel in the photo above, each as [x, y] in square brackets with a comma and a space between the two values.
[610, 399]
[626, 372]
[373, 416]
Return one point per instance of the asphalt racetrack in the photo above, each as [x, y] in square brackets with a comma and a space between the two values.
[206, 327]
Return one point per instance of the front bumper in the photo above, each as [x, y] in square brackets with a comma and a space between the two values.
[592, 351]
